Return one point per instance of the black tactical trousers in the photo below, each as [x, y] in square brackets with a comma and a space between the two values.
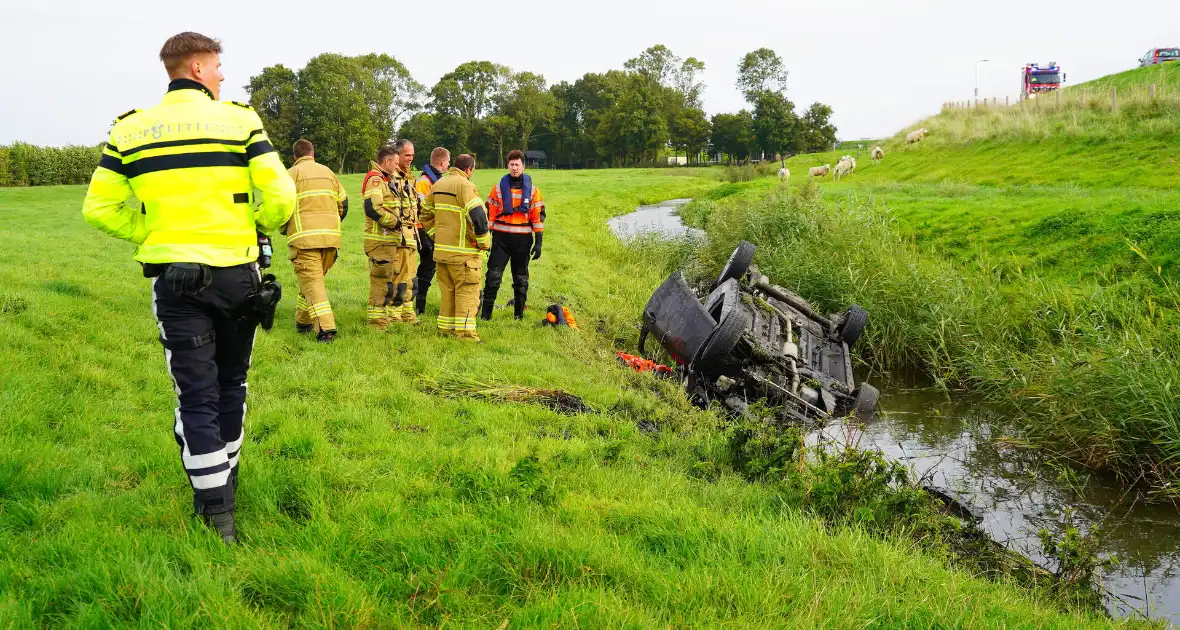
[514, 248]
[207, 342]
[425, 270]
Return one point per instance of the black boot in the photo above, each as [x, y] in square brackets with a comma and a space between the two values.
[518, 305]
[304, 328]
[420, 303]
[223, 524]
[486, 310]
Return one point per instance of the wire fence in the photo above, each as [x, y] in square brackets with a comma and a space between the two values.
[1110, 98]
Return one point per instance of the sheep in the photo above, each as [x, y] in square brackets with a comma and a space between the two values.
[784, 174]
[845, 166]
[877, 154]
[819, 171]
[915, 136]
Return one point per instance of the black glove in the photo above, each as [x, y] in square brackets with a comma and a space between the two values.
[537, 245]
[343, 209]
[188, 279]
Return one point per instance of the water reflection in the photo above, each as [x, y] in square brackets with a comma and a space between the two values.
[955, 444]
[660, 219]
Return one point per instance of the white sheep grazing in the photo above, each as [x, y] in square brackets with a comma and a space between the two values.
[915, 136]
[845, 167]
[877, 154]
[819, 171]
[784, 174]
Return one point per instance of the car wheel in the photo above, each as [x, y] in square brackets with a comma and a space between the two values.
[716, 303]
[719, 347]
[853, 324]
[738, 264]
[865, 404]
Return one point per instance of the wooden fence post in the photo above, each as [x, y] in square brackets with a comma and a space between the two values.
[1114, 99]
[1057, 98]
[1153, 91]
[1006, 103]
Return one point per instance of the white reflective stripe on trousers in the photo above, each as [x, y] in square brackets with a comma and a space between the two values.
[190, 461]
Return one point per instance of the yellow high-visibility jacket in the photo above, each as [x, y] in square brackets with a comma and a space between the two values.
[194, 164]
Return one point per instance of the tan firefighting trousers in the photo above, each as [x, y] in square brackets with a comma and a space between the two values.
[381, 259]
[459, 285]
[312, 306]
[405, 265]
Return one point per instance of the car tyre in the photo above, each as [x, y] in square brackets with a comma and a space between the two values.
[719, 347]
[865, 401]
[853, 324]
[738, 264]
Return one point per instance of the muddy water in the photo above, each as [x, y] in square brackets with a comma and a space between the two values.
[953, 443]
[660, 219]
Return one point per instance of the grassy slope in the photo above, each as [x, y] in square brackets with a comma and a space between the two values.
[367, 502]
[1059, 189]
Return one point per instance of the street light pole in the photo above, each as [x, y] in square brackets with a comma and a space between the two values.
[977, 80]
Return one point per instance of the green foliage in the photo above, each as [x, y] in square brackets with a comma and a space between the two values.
[274, 94]
[761, 71]
[776, 126]
[23, 164]
[733, 135]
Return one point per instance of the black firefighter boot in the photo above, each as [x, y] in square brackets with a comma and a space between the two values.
[486, 307]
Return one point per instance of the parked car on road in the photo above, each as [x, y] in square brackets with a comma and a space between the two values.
[1159, 55]
[750, 340]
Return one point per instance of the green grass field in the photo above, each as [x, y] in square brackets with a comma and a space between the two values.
[367, 501]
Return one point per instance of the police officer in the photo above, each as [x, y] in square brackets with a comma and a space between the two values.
[454, 215]
[313, 239]
[432, 171]
[193, 163]
[517, 214]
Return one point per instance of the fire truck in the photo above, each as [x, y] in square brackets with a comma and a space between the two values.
[1036, 79]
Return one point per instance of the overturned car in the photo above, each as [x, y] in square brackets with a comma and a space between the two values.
[750, 340]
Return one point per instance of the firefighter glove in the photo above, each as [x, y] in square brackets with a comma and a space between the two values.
[537, 245]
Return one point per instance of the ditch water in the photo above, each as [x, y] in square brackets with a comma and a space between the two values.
[953, 443]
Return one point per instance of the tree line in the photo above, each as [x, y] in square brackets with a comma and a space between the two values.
[349, 106]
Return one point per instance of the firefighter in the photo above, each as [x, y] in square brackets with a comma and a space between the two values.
[405, 261]
[440, 160]
[193, 163]
[313, 238]
[518, 225]
[455, 218]
[382, 232]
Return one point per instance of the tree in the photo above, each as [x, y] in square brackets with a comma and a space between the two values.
[468, 93]
[393, 92]
[530, 104]
[656, 63]
[422, 130]
[776, 125]
[733, 134]
[761, 71]
[274, 95]
[689, 131]
[687, 84]
[498, 129]
[634, 129]
[818, 133]
[333, 113]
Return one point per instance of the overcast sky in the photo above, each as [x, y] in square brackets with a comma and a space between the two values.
[69, 67]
